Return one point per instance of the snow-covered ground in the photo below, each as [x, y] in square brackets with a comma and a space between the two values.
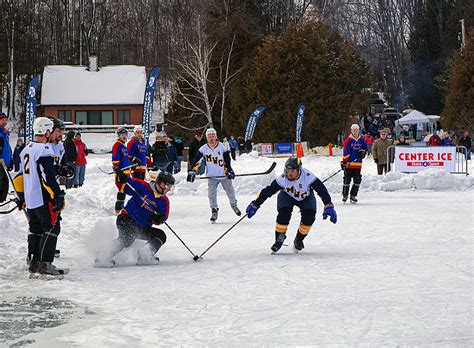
[396, 270]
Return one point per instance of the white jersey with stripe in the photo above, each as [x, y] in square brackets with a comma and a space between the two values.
[33, 177]
[299, 188]
[214, 158]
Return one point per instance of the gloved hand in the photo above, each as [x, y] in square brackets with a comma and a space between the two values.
[252, 209]
[376, 160]
[134, 161]
[361, 154]
[121, 177]
[230, 174]
[329, 211]
[191, 176]
[343, 165]
[116, 169]
[66, 171]
[58, 202]
[157, 218]
[20, 203]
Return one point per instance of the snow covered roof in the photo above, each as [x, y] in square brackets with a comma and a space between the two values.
[413, 117]
[111, 85]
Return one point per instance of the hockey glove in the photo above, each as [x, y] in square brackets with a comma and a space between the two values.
[134, 161]
[191, 176]
[122, 177]
[157, 218]
[66, 171]
[361, 154]
[376, 160]
[252, 209]
[230, 174]
[329, 211]
[116, 169]
[343, 165]
[20, 203]
[58, 203]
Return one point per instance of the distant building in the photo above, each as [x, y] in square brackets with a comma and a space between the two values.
[110, 95]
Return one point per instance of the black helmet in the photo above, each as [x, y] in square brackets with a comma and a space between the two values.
[293, 163]
[57, 123]
[166, 177]
[122, 130]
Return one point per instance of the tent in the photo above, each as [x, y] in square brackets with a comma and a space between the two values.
[414, 117]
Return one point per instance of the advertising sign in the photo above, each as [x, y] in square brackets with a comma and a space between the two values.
[417, 159]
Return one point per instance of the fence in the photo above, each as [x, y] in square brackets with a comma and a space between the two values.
[88, 128]
[413, 159]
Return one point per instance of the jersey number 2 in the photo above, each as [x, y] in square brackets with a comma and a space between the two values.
[27, 161]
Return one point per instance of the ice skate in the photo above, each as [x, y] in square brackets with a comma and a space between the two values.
[353, 199]
[344, 199]
[236, 210]
[280, 238]
[298, 244]
[146, 257]
[98, 263]
[48, 268]
[214, 214]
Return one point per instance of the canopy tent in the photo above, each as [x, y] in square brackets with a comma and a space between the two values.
[414, 117]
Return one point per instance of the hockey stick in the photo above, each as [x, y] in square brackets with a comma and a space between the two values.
[10, 179]
[165, 223]
[218, 239]
[7, 202]
[268, 171]
[124, 168]
[331, 176]
[8, 211]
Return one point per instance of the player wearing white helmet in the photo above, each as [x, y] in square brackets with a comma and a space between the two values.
[217, 161]
[42, 196]
[137, 153]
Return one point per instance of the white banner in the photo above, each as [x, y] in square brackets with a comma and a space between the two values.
[417, 159]
[267, 149]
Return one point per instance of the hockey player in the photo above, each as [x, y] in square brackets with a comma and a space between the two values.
[355, 150]
[296, 187]
[147, 206]
[43, 197]
[217, 161]
[120, 161]
[137, 152]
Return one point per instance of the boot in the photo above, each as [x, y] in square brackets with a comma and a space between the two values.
[214, 213]
[146, 256]
[57, 253]
[298, 244]
[34, 266]
[344, 199]
[236, 210]
[353, 199]
[279, 239]
[50, 269]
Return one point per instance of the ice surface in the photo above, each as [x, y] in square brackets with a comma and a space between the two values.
[396, 270]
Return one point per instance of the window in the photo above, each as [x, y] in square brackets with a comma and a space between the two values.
[95, 117]
[123, 116]
[65, 115]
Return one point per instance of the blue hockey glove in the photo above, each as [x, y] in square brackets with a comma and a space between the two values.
[191, 176]
[329, 211]
[230, 174]
[58, 203]
[252, 209]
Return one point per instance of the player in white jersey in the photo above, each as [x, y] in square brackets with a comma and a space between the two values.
[43, 197]
[296, 187]
[216, 159]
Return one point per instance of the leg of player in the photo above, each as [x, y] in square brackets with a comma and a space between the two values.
[212, 195]
[229, 190]
[156, 238]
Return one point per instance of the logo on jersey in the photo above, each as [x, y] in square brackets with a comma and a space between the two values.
[215, 160]
[296, 193]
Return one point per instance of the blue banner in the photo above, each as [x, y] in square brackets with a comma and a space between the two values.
[284, 148]
[299, 122]
[148, 102]
[252, 123]
[30, 110]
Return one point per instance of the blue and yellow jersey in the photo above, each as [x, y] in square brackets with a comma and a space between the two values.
[352, 146]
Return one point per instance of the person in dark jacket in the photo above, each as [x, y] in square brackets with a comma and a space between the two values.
[179, 145]
[194, 147]
[466, 141]
[233, 146]
[241, 145]
[172, 157]
[159, 152]
[70, 155]
[20, 145]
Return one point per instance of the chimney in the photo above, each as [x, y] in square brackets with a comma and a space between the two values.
[93, 63]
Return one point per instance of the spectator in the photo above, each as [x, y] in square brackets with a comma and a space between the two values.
[435, 140]
[194, 146]
[172, 156]
[233, 146]
[248, 146]
[16, 154]
[70, 155]
[379, 151]
[179, 145]
[81, 161]
[402, 141]
[447, 141]
[159, 152]
[226, 143]
[6, 155]
[405, 131]
[369, 140]
[241, 145]
[465, 141]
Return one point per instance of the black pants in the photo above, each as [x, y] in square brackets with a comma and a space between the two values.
[232, 153]
[285, 206]
[349, 174]
[4, 185]
[381, 169]
[129, 230]
[44, 230]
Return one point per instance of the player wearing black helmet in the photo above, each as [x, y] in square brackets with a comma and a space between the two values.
[296, 186]
[148, 205]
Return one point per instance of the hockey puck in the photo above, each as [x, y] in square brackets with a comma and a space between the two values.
[195, 258]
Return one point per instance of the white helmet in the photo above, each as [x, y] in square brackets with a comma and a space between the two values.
[138, 128]
[211, 131]
[42, 125]
[355, 126]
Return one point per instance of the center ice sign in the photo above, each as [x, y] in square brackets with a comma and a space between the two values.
[417, 159]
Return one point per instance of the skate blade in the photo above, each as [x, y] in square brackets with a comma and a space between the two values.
[296, 251]
[213, 222]
[353, 202]
[46, 277]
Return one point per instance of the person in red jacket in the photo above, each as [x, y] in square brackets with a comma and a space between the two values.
[435, 140]
[81, 161]
[369, 140]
